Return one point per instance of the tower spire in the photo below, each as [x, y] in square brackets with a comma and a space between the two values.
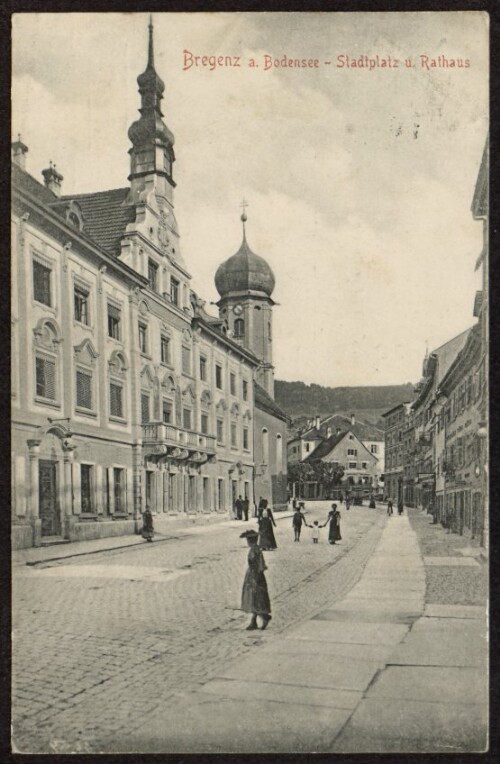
[151, 51]
[243, 217]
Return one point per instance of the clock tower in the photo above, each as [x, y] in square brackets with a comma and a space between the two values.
[245, 283]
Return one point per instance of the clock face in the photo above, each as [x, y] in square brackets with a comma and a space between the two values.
[238, 310]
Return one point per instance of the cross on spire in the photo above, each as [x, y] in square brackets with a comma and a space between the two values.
[243, 217]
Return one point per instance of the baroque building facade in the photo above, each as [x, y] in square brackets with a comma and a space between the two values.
[126, 392]
[441, 450]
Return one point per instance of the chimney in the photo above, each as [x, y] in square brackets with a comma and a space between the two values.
[339, 429]
[317, 421]
[353, 419]
[53, 179]
[328, 432]
[19, 151]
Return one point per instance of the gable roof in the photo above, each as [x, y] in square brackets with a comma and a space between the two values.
[362, 430]
[106, 215]
[324, 448]
[264, 402]
[439, 362]
[463, 362]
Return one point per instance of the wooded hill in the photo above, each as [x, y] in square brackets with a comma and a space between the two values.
[298, 399]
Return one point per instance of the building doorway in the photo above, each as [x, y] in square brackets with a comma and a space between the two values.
[47, 498]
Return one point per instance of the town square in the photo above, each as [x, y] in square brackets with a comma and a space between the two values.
[249, 383]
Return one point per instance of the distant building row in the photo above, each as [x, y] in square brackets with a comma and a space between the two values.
[436, 446]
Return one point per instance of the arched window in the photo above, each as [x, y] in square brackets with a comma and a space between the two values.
[265, 446]
[279, 453]
[239, 328]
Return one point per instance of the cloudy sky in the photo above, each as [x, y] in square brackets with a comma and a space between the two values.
[359, 182]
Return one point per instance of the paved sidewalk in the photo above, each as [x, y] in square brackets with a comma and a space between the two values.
[61, 551]
[379, 671]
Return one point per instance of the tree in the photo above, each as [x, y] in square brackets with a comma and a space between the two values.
[300, 473]
[329, 474]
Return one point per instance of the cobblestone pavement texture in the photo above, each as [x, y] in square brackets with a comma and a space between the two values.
[449, 585]
[96, 650]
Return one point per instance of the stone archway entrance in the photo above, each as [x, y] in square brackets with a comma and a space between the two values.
[48, 498]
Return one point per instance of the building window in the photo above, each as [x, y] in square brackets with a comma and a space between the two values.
[174, 291]
[81, 303]
[144, 408]
[351, 437]
[116, 400]
[220, 431]
[143, 338]
[218, 376]
[46, 378]
[307, 446]
[204, 424]
[203, 368]
[364, 465]
[166, 412]
[119, 492]
[239, 328]
[86, 488]
[84, 390]
[234, 436]
[352, 465]
[374, 448]
[352, 452]
[186, 360]
[165, 349]
[245, 390]
[186, 419]
[245, 438]
[114, 316]
[41, 283]
[153, 275]
[232, 383]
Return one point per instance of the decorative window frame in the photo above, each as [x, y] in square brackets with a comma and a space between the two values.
[117, 375]
[47, 338]
[86, 366]
[167, 334]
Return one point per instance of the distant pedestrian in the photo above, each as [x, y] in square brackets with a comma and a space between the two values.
[147, 525]
[333, 522]
[347, 501]
[294, 503]
[297, 520]
[389, 507]
[238, 506]
[372, 504]
[246, 507]
[266, 533]
[400, 507]
[255, 595]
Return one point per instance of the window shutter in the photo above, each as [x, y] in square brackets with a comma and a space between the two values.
[83, 390]
[41, 283]
[129, 493]
[111, 491]
[46, 378]
[116, 401]
[144, 409]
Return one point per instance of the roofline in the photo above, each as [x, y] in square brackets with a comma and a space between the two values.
[403, 403]
[226, 341]
[76, 236]
[283, 417]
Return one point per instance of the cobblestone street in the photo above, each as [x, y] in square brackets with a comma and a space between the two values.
[102, 640]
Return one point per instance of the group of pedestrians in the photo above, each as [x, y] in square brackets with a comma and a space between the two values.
[241, 508]
[390, 507]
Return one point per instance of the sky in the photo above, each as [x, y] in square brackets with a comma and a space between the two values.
[359, 181]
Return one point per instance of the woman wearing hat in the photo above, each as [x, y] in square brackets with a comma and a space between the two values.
[255, 597]
[333, 522]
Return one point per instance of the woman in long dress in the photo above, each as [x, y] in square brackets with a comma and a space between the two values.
[333, 522]
[267, 542]
[147, 525]
[255, 596]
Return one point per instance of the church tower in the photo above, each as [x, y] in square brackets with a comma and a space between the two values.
[245, 283]
[152, 153]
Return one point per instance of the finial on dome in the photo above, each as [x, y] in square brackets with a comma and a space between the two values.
[243, 217]
[151, 55]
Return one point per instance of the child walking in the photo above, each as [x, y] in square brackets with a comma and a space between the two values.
[315, 531]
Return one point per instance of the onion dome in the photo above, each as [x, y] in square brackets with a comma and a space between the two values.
[244, 271]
